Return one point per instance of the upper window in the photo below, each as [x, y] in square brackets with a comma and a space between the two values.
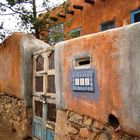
[55, 34]
[135, 16]
[75, 33]
[108, 25]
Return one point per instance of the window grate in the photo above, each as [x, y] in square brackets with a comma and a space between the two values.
[51, 83]
[51, 114]
[39, 83]
[39, 63]
[38, 108]
[51, 60]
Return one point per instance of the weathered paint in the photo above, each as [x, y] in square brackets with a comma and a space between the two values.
[115, 57]
[61, 125]
[10, 65]
[16, 65]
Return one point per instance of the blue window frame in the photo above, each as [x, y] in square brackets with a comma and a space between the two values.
[135, 16]
[108, 25]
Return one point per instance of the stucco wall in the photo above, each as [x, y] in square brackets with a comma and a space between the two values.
[16, 65]
[92, 16]
[115, 59]
[10, 60]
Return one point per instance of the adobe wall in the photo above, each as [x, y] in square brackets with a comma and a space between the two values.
[10, 60]
[92, 16]
[115, 100]
[16, 73]
[16, 65]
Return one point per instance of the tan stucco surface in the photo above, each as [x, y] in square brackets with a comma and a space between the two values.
[10, 65]
[115, 58]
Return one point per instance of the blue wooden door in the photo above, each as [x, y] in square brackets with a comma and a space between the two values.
[40, 130]
[50, 134]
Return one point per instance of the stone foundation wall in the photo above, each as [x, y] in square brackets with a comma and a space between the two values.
[72, 126]
[14, 116]
[81, 127]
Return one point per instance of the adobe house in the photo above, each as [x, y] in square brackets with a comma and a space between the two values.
[98, 96]
[16, 81]
[84, 17]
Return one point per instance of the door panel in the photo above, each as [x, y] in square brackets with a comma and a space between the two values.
[50, 134]
[37, 130]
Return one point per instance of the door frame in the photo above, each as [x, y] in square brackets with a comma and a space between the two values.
[45, 131]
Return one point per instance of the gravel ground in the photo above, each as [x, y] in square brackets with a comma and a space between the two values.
[6, 135]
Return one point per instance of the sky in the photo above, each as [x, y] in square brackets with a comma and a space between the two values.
[11, 23]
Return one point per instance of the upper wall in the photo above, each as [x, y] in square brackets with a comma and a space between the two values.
[99, 76]
[92, 16]
[16, 65]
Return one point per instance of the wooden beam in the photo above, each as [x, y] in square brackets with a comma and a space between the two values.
[79, 7]
[53, 18]
[70, 12]
[62, 16]
[90, 2]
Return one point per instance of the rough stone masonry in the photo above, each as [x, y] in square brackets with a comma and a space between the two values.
[15, 116]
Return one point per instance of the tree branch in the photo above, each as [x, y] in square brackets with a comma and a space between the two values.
[8, 14]
[9, 7]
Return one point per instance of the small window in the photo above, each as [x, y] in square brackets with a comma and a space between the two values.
[108, 25]
[39, 63]
[51, 113]
[51, 83]
[83, 61]
[38, 108]
[135, 16]
[75, 33]
[39, 83]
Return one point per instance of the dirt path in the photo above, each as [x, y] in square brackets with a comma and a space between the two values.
[6, 135]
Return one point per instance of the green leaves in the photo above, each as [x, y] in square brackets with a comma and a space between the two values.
[26, 13]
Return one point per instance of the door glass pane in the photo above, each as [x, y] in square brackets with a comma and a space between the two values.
[51, 60]
[51, 112]
[39, 84]
[51, 84]
[38, 108]
[39, 63]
